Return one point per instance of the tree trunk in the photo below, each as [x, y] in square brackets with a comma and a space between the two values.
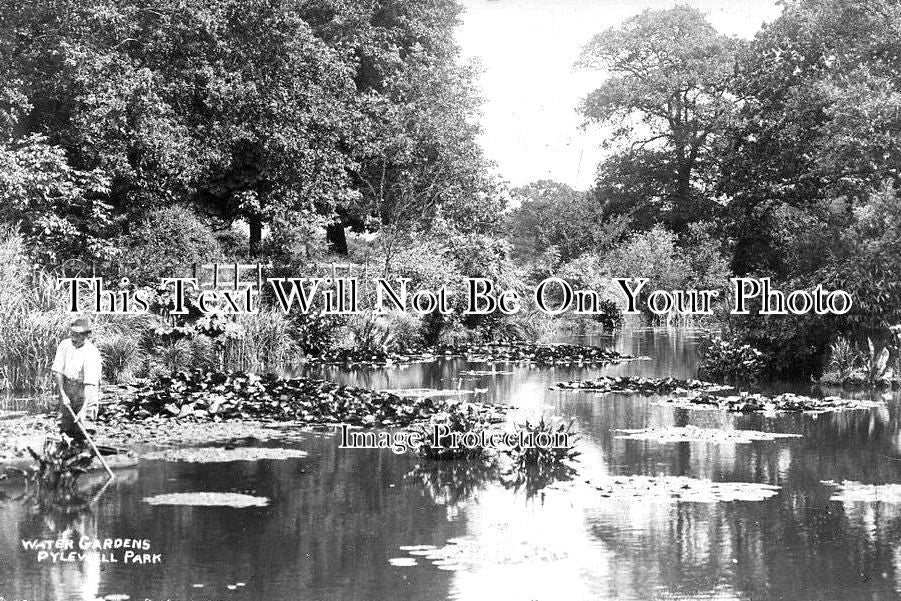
[682, 209]
[256, 234]
[337, 239]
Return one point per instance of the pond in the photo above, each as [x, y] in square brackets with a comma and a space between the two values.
[371, 525]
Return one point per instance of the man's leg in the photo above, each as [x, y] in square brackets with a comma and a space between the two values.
[67, 423]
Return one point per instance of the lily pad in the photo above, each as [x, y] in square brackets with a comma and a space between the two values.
[856, 492]
[208, 499]
[782, 403]
[425, 392]
[221, 455]
[465, 553]
[672, 489]
[695, 434]
[641, 385]
[485, 372]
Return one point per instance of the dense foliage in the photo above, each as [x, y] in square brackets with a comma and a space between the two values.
[150, 135]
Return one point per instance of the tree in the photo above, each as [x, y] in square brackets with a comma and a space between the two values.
[235, 106]
[257, 110]
[818, 128]
[417, 155]
[552, 214]
[58, 210]
[668, 96]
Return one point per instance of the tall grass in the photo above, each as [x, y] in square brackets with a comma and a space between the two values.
[122, 344]
[262, 342]
[32, 318]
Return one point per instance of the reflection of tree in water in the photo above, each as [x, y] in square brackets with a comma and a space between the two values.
[533, 478]
[451, 482]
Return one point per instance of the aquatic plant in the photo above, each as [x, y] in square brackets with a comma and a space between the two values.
[170, 356]
[368, 333]
[759, 403]
[730, 361]
[551, 430]
[259, 342]
[875, 365]
[121, 344]
[459, 417]
[843, 363]
[535, 467]
[639, 384]
[215, 395]
[511, 351]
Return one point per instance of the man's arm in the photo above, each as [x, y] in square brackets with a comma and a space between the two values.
[93, 369]
[60, 381]
[91, 401]
[57, 369]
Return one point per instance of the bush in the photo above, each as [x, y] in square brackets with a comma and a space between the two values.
[730, 360]
[792, 345]
[165, 243]
[842, 364]
[406, 330]
[459, 417]
[121, 345]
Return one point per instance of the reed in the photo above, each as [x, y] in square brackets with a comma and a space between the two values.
[260, 342]
[32, 318]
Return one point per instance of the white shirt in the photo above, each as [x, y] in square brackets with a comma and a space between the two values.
[82, 364]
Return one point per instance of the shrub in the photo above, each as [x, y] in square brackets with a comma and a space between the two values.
[406, 330]
[842, 364]
[459, 417]
[730, 360]
[260, 342]
[534, 468]
[120, 345]
[166, 242]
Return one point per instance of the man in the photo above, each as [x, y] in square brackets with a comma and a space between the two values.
[77, 368]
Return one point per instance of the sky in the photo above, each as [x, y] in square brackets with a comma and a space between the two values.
[527, 49]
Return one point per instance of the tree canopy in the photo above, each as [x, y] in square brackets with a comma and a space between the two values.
[668, 96]
[358, 112]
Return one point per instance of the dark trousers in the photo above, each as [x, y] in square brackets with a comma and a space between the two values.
[75, 391]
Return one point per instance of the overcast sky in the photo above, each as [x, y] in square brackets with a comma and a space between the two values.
[527, 49]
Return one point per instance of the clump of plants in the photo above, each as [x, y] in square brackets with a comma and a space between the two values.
[544, 455]
[876, 365]
[533, 465]
[459, 419]
[200, 395]
[848, 366]
[729, 360]
[843, 364]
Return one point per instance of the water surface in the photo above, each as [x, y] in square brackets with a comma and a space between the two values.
[337, 516]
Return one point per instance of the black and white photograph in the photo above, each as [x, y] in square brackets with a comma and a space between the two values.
[465, 300]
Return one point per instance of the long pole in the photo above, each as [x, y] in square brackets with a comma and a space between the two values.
[90, 441]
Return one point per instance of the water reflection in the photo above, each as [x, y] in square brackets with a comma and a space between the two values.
[337, 516]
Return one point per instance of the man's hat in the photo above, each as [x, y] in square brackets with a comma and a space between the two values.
[80, 326]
